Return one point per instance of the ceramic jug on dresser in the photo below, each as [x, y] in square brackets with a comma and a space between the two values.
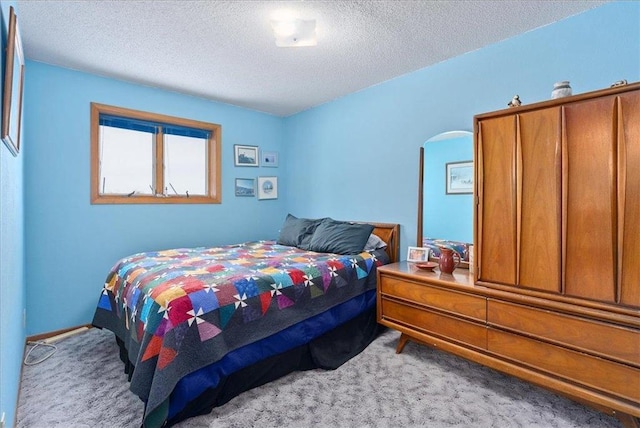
[449, 260]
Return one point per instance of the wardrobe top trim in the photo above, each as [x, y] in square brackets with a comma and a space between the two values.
[560, 101]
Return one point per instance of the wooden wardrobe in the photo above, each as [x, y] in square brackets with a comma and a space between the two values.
[557, 236]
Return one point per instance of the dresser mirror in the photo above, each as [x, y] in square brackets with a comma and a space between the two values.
[445, 193]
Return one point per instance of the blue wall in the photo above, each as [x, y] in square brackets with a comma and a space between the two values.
[71, 244]
[12, 280]
[357, 157]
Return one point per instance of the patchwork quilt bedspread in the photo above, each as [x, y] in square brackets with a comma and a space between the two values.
[180, 310]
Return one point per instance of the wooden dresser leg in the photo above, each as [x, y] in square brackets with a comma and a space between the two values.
[401, 342]
[627, 420]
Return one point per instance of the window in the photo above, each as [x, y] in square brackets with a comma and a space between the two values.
[146, 158]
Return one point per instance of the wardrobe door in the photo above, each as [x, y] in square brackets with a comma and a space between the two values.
[539, 205]
[496, 200]
[591, 200]
[629, 197]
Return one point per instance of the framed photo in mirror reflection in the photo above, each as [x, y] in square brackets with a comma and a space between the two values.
[459, 178]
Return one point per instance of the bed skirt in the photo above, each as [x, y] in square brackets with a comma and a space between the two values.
[328, 351]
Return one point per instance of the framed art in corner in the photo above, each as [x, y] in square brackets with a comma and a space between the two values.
[13, 87]
[245, 187]
[245, 155]
[459, 177]
[269, 159]
[267, 187]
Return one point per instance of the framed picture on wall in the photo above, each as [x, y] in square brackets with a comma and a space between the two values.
[267, 187]
[459, 177]
[245, 155]
[269, 159]
[245, 187]
[13, 82]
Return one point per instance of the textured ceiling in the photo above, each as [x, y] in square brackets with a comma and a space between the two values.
[225, 50]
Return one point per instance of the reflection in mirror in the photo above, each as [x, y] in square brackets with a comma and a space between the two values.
[442, 215]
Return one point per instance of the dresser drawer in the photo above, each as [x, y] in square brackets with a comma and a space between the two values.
[604, 375]
[454, 302]
[607, 340]
[434, 323]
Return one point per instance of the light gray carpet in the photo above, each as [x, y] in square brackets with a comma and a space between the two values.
[83, 385]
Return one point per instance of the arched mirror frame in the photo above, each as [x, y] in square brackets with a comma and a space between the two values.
[438, 137]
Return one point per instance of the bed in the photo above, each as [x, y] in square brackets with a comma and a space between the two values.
[198, 326]
[462, 248]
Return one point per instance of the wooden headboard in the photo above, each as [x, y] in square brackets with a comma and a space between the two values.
[389, 233]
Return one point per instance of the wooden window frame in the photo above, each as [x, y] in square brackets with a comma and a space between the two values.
[214, 195]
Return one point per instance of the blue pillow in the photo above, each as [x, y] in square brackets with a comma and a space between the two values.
[297, 232]
[339, 237]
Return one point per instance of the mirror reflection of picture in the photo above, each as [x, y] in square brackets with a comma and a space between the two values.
[459, 177]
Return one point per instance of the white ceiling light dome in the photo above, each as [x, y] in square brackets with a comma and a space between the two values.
[295, 32]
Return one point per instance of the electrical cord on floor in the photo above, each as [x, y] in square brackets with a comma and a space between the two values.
[35, 345]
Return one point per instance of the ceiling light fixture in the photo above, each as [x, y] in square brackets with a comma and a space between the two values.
[295, 33]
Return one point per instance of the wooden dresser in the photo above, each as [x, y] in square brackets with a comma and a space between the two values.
[555, 299]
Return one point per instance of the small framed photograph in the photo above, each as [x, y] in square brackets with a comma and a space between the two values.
[459, 177]
[245, 186]
[418, 254]
[269, 159]
[267, 187]
[245, 155]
